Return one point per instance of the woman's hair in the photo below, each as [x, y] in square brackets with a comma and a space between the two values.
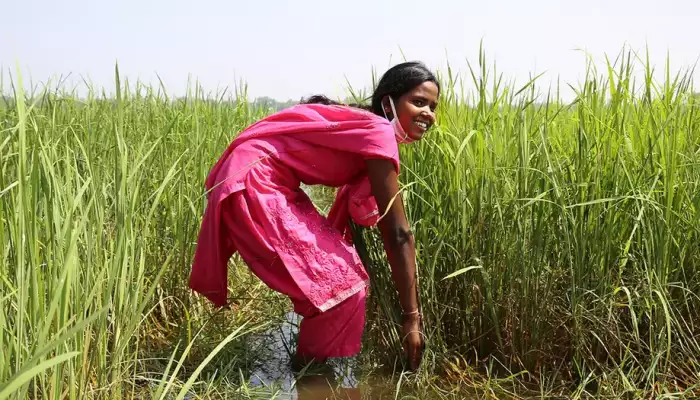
[321, 99]
[397, 81]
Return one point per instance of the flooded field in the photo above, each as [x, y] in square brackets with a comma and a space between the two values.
[273, 378]
[558, 248]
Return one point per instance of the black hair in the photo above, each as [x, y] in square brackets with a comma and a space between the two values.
[321, 99]
[397, 81]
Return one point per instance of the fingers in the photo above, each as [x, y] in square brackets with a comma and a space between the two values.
[413, 360]
[414, 354]
[413, 344]
[410, 357]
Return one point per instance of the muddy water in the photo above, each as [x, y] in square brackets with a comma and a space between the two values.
[273, 378]
[274, 375]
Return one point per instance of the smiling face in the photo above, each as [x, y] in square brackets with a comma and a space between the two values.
[416, 109]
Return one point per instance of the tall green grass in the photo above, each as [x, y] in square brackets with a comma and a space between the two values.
[558, 241]
[101, 201]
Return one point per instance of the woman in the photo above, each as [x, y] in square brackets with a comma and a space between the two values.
[256, 208]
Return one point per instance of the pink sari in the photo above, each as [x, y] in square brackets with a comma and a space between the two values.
[303, 144]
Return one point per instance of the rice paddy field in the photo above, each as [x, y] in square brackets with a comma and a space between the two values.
[558, 243]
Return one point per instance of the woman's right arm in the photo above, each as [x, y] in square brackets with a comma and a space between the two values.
[400, 250]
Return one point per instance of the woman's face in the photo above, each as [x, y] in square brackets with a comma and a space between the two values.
[416, 109]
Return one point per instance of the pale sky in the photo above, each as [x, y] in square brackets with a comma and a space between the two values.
[289, 49]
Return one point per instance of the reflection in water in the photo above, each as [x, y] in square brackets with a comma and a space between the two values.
[278, 345]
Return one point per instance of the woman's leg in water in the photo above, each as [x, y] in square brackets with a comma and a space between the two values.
[337, 332]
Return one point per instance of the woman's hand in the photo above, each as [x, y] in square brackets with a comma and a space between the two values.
[413, 342]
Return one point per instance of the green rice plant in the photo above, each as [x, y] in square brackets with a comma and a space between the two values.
[558, 240]
[100, 200]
